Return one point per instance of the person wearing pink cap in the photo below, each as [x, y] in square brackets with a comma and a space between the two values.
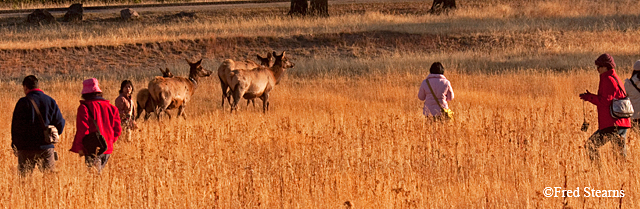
[107, 119]
[633, 91]
[609, 128]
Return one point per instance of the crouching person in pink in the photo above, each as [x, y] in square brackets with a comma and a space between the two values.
[107, 118]
[441, 89]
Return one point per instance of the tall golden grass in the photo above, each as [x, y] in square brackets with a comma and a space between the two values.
[335, 139]
[348, 132]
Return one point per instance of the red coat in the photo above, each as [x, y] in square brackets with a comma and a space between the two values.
[607, 90]
[106, 116]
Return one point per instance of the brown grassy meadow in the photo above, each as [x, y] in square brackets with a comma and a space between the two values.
[345, 129]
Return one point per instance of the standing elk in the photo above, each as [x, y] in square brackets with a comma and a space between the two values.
[168, 93]
[228, 65]
[257, 83]
[144, 101]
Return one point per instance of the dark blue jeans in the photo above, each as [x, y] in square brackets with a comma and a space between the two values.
[98, 161]
[616, 135]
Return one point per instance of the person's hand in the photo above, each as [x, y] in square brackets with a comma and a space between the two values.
[584, 96]
[586, 93]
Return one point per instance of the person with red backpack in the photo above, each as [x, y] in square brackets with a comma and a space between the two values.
[609, 128]
[95, 112]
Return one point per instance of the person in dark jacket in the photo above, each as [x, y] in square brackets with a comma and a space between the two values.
[95, 107]
[27, 133]
[609, 128]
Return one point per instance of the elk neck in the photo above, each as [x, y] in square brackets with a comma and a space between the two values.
[194, 81]
[277, 71]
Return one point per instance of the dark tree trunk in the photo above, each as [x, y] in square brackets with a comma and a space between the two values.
[298, 7]
[440, 6]
[320, 7]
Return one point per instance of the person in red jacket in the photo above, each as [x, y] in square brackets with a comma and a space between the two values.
[107, 118]
[609, 128]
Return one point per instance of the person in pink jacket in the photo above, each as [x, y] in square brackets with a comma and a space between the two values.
[609, 128]
[441, 88]
[107, 117]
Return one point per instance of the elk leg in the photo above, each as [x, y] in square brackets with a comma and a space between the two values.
[139, 110]
[224, 87]
[138, 113]
[237, 93]
[164, 104]
[265, 102]
[147, 115]
[181, 112]
[229, 95]
[167, 113]
[158, 111]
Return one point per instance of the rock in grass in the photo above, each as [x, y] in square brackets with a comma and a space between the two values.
[40, 16]
[128, 14]
[74, 13]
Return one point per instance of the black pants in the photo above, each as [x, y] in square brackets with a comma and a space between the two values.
[616, 135]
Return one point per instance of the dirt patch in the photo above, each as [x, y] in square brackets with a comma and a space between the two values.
[142, 56]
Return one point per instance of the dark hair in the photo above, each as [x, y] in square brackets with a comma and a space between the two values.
[31, 82]
[436, 68]
[124, 83]
[89, 96]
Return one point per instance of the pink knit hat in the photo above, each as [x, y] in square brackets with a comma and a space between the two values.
[90, 86]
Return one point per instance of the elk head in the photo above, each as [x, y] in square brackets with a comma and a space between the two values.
[196, 70]
[265, 61]
[283, 64]
[282, 61]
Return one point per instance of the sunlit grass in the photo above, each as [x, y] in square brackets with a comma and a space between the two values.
[350, 129]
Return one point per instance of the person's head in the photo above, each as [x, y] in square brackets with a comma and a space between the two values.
[436, 68]
[605, 63]
[90, 89]
[126, 87]
[29, 82]
[636, 68]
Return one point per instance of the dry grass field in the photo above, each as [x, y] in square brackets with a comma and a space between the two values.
[345, 129]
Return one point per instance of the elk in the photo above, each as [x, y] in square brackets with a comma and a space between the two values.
[257, 83]
[144, 101]
[229, 65]
[168, 93]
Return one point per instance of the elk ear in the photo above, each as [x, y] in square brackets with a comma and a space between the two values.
[259, 57]
[185, 59]
[282, 54]
[199, 62]
[162, 71]
[269, 55]
[274, 53]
